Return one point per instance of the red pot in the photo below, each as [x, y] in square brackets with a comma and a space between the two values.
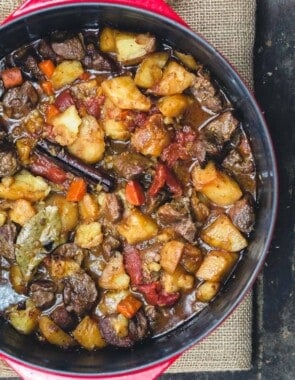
[32, 361]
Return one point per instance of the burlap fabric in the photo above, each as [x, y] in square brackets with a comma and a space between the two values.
[229, 26]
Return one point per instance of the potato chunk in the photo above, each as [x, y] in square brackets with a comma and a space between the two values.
[216, 185]
[124, 94]
[66, 126]
[131, 48]
[54, 334]
[137, 227]
[24, 186]
[107, 42]
[89, 235]
[179, 280]
[216, 265]
[89, 145]
[173, 105]
[152, 137]
[114, 121]
[66, 73]
[17, 279]
[88, 208]
[207, 291]
[24, 320]
[150, 71]
[223, 234]
[188, 60]
[87, 333]
[114, 276]
[175, 80]
[21, 211]
[170, 255]
[68, 211]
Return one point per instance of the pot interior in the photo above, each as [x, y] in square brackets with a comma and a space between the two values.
[85, 15]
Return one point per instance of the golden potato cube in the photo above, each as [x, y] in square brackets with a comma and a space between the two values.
[132, 48]
[137, 227]
[114, 276]
[88, 235]
[207, 291]
[25, 320]
[179, 280]
[66, 73]
[175, 80]
[67, 210]
[3, 217]
[188, 60]
[216, 185]
[87, 333]
[66, 126]
[150, 71]
[223, 234]
[107, 42]
[17, 279]
[170, 255]
[21, 211]
[116, 129]
[124, 94]
[173, 105]
[54, 334]
[88, 208]
[216, 265]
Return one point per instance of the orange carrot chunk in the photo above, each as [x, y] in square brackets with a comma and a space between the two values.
[47, 87]
[77, 190]
[51, 111]
[129, 306]
[134, 193]
[12, 77]
[84, 76]
[47, 67]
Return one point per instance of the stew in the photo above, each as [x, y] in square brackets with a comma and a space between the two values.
[127, 188]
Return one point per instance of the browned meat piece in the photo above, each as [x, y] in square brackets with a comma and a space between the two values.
[70, 251]
[7, 238]
[221, 129]
[242, 214]
[204, 91]
[9, 163]
[43, 293]
[2, 89]
[97, 60]
[195, 116]
[109, 245]
[70, 48]
[31, 65]
[19, 101]
[186, 228]
[129, 165]
[79, 293]
[65, 320]
[138, 326]
[112, 208]
[46, 51]
[236, 163]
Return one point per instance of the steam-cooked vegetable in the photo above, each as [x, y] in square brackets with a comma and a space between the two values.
[54, 334]
[150, 70]
[24, 320]
[216, 265]
[66, 73]
[114, 276]
[87, 333]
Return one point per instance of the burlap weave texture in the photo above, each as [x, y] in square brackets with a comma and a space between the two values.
[229, 26]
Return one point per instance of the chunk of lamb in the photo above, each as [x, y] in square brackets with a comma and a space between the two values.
[242, 214]
[221, 129]
[79, 293]
[70, 251]
[70, 48]
[9, 163]
[43, 293]
[179, 219]
[238, 164]
[112, 208]
[7, 238]
[65, 320]
[128, 165]
[46, 51]
[204, 91]
[19, 101]
[95, 60]
[31, 65]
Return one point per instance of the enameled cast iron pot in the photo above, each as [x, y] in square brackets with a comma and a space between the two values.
[35, 361]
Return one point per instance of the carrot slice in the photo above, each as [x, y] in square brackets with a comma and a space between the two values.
[12, 77]
[134, 193]
[129, 306]
[77, 190]
[47, 67]
[47, 87]
[51, 111]
[84, 76]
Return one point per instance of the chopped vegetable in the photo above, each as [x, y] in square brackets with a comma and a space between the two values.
[134, 193]
[43, 166]
[88, 334]
[129, 306]
[164, 176]
[66, 126]
[53, 333]
[24, 320]
[47, 87]
[77, 190]
[12, 77]
[47, 67]
[51, 112]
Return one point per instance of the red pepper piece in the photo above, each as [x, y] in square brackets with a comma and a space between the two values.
[167, 299]
[155, 295]
[93, 106]
[64, 100]
[174, 152]
[133, 266]
[164, 176]
[186, 135]
[44, 167]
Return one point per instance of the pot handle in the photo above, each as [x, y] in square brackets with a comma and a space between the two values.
[30, 373]
[157, 6]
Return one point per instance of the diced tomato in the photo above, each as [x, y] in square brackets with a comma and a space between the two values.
[134, 193]
[133, 266]
[186, 135]
[64, 100]
[167, 299]
[155, 295]
[164, 176]
[44, 167]
[84, 76]
[174, 152]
